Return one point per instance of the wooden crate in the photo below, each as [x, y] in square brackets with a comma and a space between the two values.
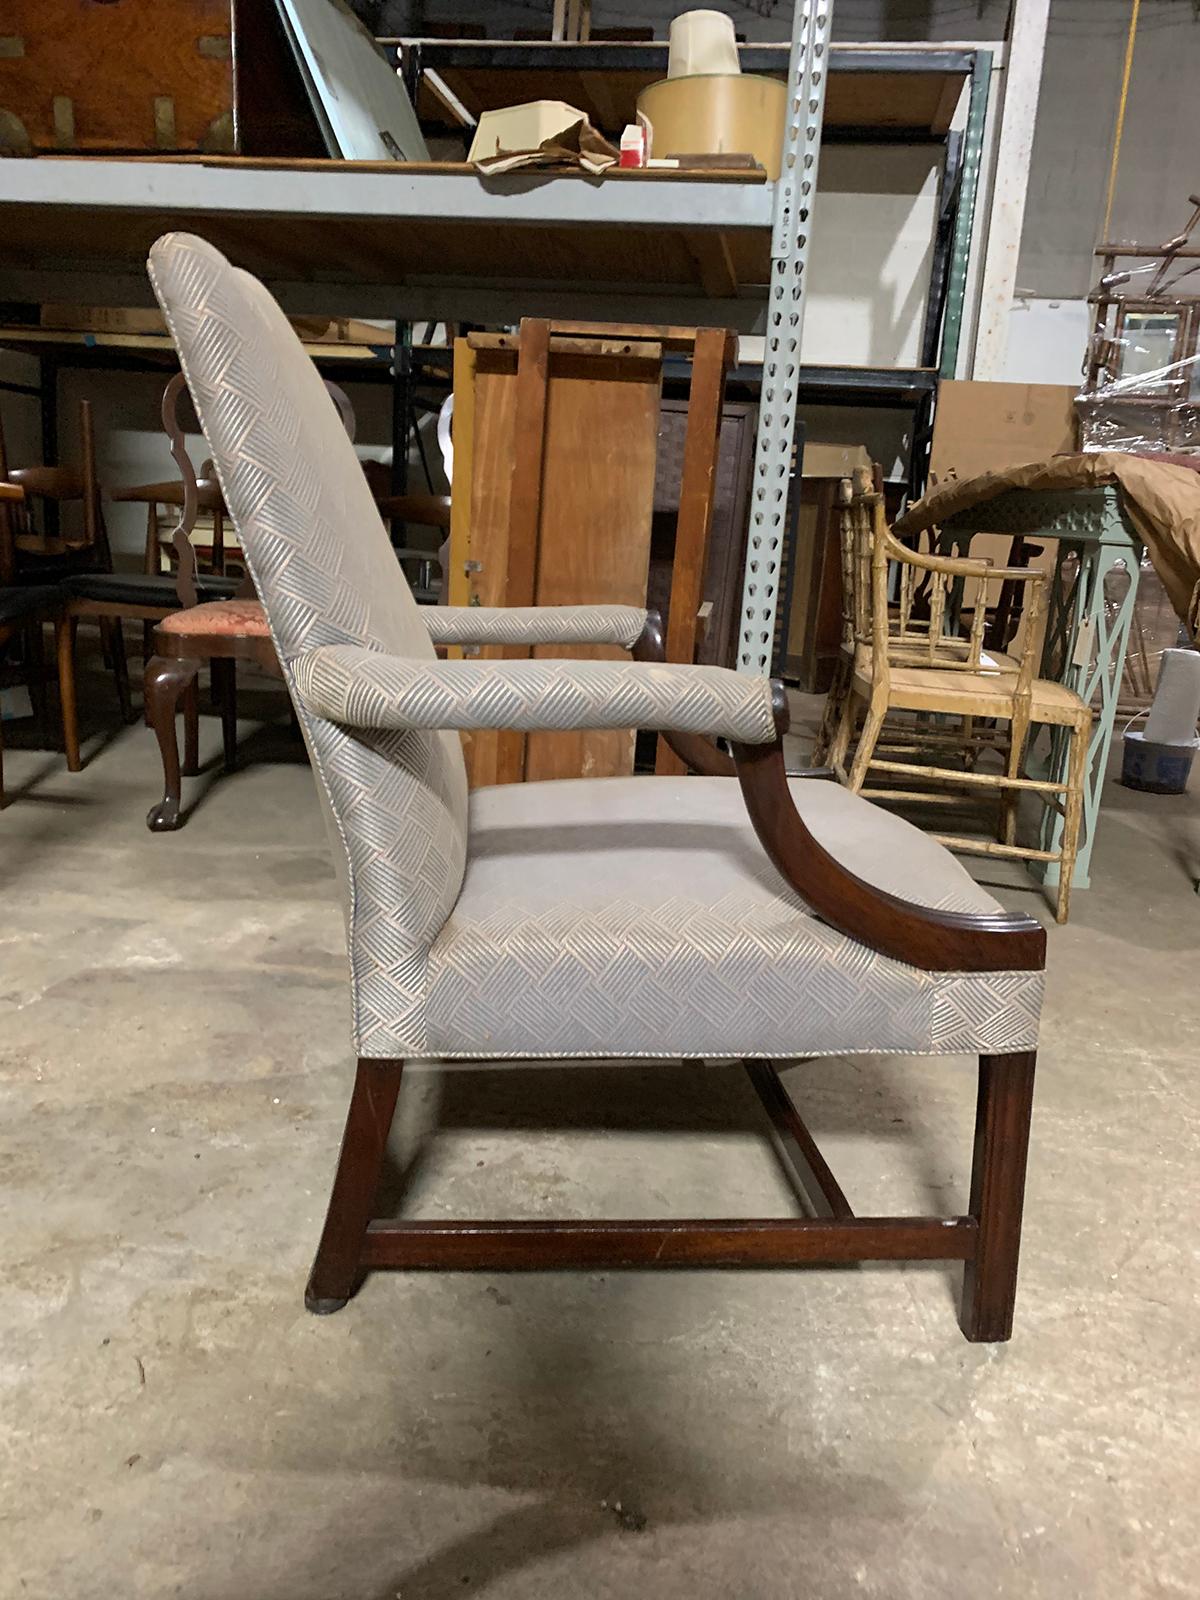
[130, 76]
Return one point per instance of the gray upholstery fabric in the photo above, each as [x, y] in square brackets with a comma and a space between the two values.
[621, 917]
[534, 624]
[364, 689]
[326, 573]
[640, 917]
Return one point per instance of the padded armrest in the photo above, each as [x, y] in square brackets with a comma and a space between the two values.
[363, 688]
[531, 625]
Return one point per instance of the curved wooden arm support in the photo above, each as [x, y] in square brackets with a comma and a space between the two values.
[935, 941]
[698, 753]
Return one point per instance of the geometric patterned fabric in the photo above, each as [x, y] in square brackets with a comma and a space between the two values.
[640, 917]
[607, 918]
[603, 624]
[364, 689]
[326, 573]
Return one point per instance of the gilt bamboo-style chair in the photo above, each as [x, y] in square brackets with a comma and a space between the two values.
[733, 914]
[900, 670]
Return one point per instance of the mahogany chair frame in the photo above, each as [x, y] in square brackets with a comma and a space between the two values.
[985, 1237]
[38, 609]
[57, 486]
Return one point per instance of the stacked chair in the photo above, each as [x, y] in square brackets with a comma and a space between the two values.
[919, 700]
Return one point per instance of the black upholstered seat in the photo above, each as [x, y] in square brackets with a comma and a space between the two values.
[19, 601]
[143, 588]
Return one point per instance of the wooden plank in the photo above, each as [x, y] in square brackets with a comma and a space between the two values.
[445, 169]
[700, 450]
[645, 349]
[669, 335]
[525, 506]
[458, 579]
[947, 105]
[595, 500]
[914, 100]
[489, 1246]
[484, 474]
[597, 507]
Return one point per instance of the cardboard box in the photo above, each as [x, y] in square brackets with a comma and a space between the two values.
[522, 127]
[987, 427]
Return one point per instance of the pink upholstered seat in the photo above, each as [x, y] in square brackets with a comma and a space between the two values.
[242, 617]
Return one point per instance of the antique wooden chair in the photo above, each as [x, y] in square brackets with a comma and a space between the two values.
[224, 631]
[41, 551]
[24, 609]
[729, 915]
[170, 493]
[931, 693]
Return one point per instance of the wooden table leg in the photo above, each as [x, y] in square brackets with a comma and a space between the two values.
[64, 634]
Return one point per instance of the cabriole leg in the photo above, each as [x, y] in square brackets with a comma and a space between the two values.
[166, 679]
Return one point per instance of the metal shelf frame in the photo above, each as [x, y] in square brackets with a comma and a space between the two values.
[94, 211]
[774, 452]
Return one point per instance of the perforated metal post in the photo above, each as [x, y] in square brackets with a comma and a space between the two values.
[790, 238]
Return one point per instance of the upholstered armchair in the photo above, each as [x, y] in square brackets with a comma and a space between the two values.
[732, 913]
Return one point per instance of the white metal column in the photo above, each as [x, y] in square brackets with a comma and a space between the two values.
[794, 196]
[1022, 85]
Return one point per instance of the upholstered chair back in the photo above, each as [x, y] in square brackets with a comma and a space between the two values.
[396, 802]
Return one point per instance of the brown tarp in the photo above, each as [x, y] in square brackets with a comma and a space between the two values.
[1161, 500]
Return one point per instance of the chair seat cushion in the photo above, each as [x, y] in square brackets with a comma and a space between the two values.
[243, 618]
[640, 917]
[143, 588]
[19, 601]
[955, 691]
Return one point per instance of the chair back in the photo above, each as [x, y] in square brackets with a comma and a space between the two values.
[899, 605]
[396, 802]
[55, 487]
[855, 527]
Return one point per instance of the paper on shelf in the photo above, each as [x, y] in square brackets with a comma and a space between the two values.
[541, 133]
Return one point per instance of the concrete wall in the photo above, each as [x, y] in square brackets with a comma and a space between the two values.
[1160, 146]
[1047, 341]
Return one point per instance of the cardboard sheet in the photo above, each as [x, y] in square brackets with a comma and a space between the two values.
[1162, 500]
[986, 427]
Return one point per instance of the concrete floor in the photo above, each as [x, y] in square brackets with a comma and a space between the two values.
[175, 1063]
